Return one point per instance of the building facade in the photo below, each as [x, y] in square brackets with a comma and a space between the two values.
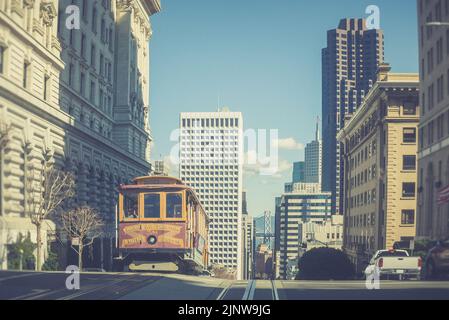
[349, 66]
[248, 246]
[380, 147]
[160, 168]
[433, 155]
[306, 203]
[313, 159]
[61, 94]
[328, 233]
[211, 160]
[298, 174]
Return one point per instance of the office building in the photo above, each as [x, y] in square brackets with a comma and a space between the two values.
[298, 174]
[433, 153]
[306, 203]
[380, 147]
[349, 66]
[211, 159]
[313, 159]
[248, 246]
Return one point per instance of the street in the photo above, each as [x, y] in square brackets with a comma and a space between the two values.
[146, 286]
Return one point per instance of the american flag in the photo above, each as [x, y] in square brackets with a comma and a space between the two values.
[443, 195]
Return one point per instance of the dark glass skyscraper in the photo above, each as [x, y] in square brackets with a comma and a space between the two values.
[349, 66]
[298, 174]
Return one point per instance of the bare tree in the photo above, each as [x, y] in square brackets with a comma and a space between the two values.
[83, 224]
[46, 189]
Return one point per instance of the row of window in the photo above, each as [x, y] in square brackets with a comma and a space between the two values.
[212, 122]
[434, 131]
[102, 99]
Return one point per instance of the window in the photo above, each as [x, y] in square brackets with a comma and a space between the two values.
[409, 135]
[408, 217]
[82, 83]
[408, 189]
[440, 126]
[71, 37]
[130, 208]
[83, 45]
[94, 20]
[92, 56]
[409, 108]
[103, 30]
[430, 96]
[26, 67]
[85, 8]
[2, 59]
[101, 64]
[409, 162]
[71, 74]
[46, 82]
[152, 206]
[92, 91]
[174, 205]
[440, 89]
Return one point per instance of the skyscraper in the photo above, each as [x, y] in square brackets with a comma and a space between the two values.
[349, 66]
[298, 172]
[313, 159]
[211, 159]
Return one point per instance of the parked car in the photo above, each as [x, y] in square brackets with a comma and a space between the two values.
[437, 261]
[394, 264]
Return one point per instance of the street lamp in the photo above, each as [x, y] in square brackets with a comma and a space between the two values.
[21, 259]
[437, 24]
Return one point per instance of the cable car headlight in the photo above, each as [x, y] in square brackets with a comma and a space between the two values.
[152, 240]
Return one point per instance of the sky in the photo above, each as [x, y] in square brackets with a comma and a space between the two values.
[260, 57]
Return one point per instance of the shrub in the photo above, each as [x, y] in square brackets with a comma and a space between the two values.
[51, 264]
[28, 259]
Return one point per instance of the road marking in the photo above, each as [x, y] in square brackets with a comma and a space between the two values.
[275, 291]
[82, 293]
[249, 291]
[224, 291]
[20, 276]
[35, 292]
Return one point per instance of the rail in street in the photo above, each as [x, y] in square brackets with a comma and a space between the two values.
[151, 286]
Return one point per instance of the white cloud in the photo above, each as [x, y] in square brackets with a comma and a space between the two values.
[255, 168]
[289, 144]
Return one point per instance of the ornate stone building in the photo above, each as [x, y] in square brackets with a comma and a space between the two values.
[76, 95]
[379, 152]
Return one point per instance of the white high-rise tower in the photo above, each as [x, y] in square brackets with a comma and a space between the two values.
[211, 159]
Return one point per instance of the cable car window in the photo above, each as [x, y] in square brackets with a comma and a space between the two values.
[174, 205]
[152, 206]
[130, 206]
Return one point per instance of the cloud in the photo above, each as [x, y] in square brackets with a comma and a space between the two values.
[253, 167]
[289, 144]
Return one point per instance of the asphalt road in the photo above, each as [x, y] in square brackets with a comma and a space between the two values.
[151, 286]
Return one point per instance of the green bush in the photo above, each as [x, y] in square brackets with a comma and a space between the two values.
[52, 263]
[28, 259]
[325, 264]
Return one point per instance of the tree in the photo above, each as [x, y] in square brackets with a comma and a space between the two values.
[83, 224]
[325, 264]
[46, 189]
